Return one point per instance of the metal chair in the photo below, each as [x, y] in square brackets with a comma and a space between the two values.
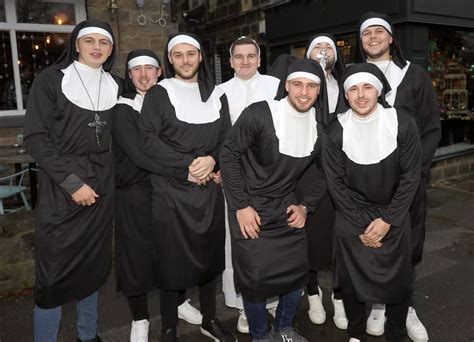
[12, 185]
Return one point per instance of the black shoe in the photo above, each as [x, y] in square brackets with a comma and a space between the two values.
[169, 335]
[95, 339]
[217, 332]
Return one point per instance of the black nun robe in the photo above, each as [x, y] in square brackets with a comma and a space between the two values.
[413, 94]
[134, 235]
[73, 242]
[319, 225]
[366, 190]
[189, 219]
[256, 173]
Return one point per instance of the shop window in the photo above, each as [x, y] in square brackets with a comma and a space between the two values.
[42, 12]
[33, 34]
[347, 45]
[451, 65]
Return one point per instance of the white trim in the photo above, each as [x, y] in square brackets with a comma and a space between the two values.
[375, 22]
[304, 74]
[363, 77]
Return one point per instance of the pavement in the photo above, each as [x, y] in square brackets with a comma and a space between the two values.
[445, 287]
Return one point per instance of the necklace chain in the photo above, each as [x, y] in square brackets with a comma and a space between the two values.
[88, 95]
[388, 66]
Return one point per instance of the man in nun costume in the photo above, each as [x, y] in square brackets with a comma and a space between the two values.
[319, 225]
[67, 131]
[267, 150]
[185, 119]
[134, 236]
[412, 92]
[372, 163]
[246, 87]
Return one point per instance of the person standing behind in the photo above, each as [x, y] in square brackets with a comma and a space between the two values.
[246, 87]
[412, 92]
[319, 225]
[134, 236]
[67, 132]
[185, 118]
[372, 164]
[267, 150]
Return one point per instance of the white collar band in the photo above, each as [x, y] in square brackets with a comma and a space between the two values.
[322, 39]
[142, 60]
[375, 22]
[95, 29]
[304, 74]
[363, 77]
[183, 39]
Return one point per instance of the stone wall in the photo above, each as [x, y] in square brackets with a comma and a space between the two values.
[452, 167]
[128, 33]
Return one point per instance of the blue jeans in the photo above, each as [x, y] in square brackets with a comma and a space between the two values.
[46, 321]
[257, 314]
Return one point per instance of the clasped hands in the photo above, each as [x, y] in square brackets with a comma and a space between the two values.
[249, 220]
[374, 233]
[200, 171]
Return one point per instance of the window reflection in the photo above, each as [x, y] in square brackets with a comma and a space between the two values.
[2, 11]
[40, 12]
[7, 83]
[36, 51]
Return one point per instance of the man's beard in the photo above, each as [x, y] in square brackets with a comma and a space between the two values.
[377, 55]
[185, 76]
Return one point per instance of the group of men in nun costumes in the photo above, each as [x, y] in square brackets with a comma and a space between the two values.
[263, 179]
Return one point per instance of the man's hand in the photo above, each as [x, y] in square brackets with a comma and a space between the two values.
[366, 243]
[201, 167]
[249, 222]
[376, 231]
[203, 181]
[84, 196]
[217, 177]
[296, 216]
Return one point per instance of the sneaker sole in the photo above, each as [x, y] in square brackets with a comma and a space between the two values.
[417, 339]
[243, 331]
[340, 326]
[208, 334]
[375, 333]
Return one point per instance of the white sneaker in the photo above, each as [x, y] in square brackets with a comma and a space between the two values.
[415, 329]
[316, 312]
[340, 319]
[242, 323]
[272, 311]
[189, 313]
[139, 332]
[376, 320]
[353, 339]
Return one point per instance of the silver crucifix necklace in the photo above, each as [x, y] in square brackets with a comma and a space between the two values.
[96, 124]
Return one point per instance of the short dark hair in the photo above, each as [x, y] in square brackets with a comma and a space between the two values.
[244, 40]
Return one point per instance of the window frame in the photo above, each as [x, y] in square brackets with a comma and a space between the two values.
[12, 27]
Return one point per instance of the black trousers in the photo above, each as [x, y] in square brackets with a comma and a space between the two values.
[171, 299]
[395, 327]
[313, 284]
[139, 307]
